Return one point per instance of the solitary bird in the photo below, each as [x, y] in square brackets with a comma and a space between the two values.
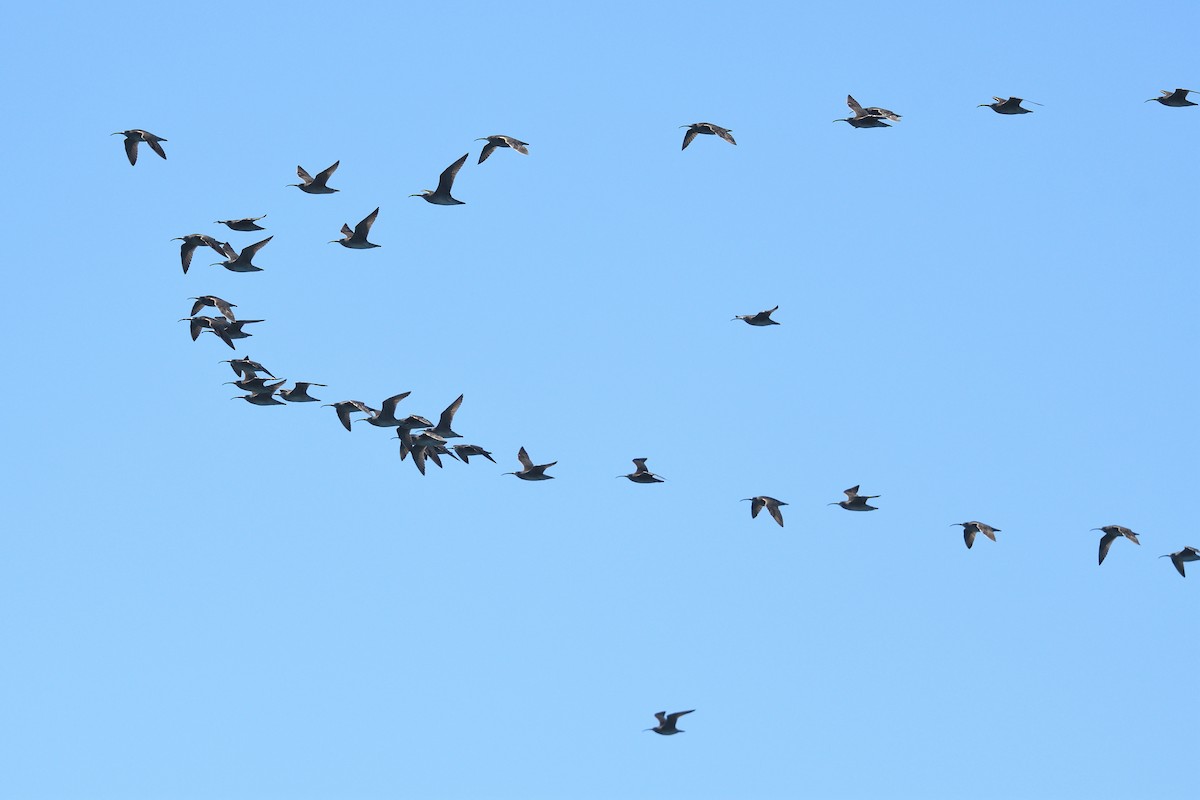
[870, 117]
[241, 262]
[1010, 106]
[532, 472]
[357, 239]
[972, 528]
[666, 722]
[245, 366]
[465, 451]
[772, 505]
[441, 197]
[707, 128]
[501, 141]
[224, 306]
[1111, 534]
[299, 393]
[347, 407]
[316, 185]
[760, 319]
[1175, 99]
[194, 240]
[133, 137]
[854, 501]
[243, 225]
[1186, 554]
[641, 474]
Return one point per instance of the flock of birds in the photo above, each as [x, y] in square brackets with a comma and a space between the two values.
[427, 441]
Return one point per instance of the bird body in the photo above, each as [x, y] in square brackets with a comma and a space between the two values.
[870, 117]
[970, 529]
[299, 392]
[441, 195]
[212, 301]
[1184, 555]
[243, 225]
[465, 451]
[759, 320]
[854, 501]
[498, 140]
[245, 367]
[311, 185]
[772, 505]
[345, 408]
[1175, 99]
[667, 722]
[385, 417]
[531, 471]
[642, 474]
[357, 239]
[241, 262]
[1111, 534]
[1012, 105]
[136, 136]
[708, 128]
[194, 240]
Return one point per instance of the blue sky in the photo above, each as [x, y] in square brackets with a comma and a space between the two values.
[983, 317]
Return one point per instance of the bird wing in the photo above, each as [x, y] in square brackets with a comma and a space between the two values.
[518, 145]
[756, 505]
[199, 304]
[446, 179]
[253, 249]
[969, 535]
[640, 463]
[131, 149]
[855, 107]
[225, 307]
[876, 111]
[325, 174]
[346, 230]
[987, 530]
[724, 134]
[185, 254]
[776, 514]
[671, 718]
[1177, 560]
[303, 175]
[389, 405]
[418, 454]
[344, 411]
[363, 228]
[1130, 535]
[687, 137]
[661, 716]
[448, 415]
[154, 145]
[487, 151]
[432, 455]
[852, 492]
[196, 325]
[1105, 543]
[523, 457]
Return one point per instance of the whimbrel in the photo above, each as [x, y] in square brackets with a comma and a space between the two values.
[870, 117]
[441, 196]
[1175, 99]
[532, 472]
[347, 407]
[760, 319]
[357, 239]
[772, 505]
[240, 262]
[232, 329]
[197, 325]
[254, 385]
[465, 451]
[243, 225]
[132, 137]
[245, 366]
[667, 722]
[1186, 554]
[386, 416]
[641, 474]
[443, 428]
[972, 528]
[704, 127]
[299, 393]
[316, 185]
[1010, 106]
[854, 501]
[194, 240]
[501, 141]
[1111, 534]
[260, 399]
[224, 306]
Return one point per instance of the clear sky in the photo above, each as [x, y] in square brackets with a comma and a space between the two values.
[983, 317]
